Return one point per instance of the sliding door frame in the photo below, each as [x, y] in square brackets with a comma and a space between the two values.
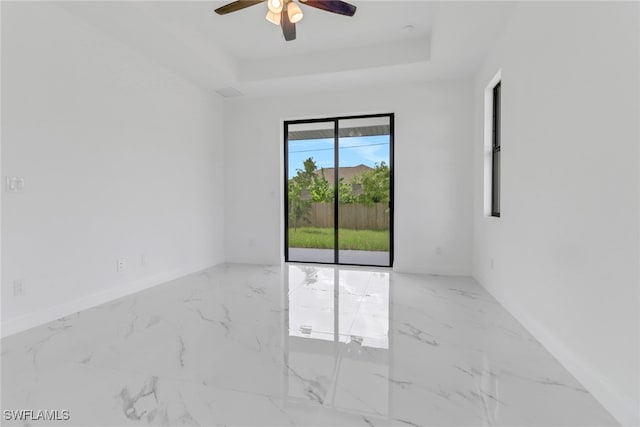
[336, 168]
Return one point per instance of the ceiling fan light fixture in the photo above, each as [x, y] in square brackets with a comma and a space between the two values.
[275, 6]
[274, 18]
[294, 12]
[286, 13]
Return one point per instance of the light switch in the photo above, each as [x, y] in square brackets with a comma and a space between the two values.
[14, 184]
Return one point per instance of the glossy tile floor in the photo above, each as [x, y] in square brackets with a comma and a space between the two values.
[295, 344]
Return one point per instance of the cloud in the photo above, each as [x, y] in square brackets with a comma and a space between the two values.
[368, 150]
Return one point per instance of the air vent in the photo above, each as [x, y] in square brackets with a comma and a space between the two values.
[229, 92]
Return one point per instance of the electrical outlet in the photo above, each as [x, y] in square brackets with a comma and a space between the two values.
[18, 288]
[121, 265]
[143, 260]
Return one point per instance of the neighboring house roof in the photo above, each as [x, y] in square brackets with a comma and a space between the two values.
[346, 172]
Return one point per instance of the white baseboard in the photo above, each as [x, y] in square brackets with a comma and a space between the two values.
[37, 318]
[622, 408]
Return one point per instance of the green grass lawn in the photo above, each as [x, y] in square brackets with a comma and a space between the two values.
[322, 238]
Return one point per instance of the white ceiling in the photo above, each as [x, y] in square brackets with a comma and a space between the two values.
[244, 51]
[248, 35]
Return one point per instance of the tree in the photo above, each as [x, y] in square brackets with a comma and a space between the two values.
[376, 185]
[321, 191]
[299, 209]
[305, 188]
[345, 194]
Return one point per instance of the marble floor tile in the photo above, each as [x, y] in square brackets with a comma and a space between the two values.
[294, 345]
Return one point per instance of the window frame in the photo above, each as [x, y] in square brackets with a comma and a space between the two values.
[496, 147]
[336, 120]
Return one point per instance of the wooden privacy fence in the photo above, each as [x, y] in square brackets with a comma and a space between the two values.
[352, 216]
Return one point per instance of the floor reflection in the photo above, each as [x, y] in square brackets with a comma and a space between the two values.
[337, 338]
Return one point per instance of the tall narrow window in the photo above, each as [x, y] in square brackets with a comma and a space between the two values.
[495, 156]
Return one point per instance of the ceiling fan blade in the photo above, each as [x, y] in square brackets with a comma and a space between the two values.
[288, 27]
[236, 5]
[335, 6]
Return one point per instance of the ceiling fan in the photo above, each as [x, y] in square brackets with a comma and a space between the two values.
[286, 12]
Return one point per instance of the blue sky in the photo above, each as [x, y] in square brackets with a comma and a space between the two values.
[367, 150]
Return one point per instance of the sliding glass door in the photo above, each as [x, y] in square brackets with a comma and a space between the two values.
[310, 183]
[339, 190]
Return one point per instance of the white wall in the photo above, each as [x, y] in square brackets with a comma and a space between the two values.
[121, 158]
[566, 247]
[432, 171]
